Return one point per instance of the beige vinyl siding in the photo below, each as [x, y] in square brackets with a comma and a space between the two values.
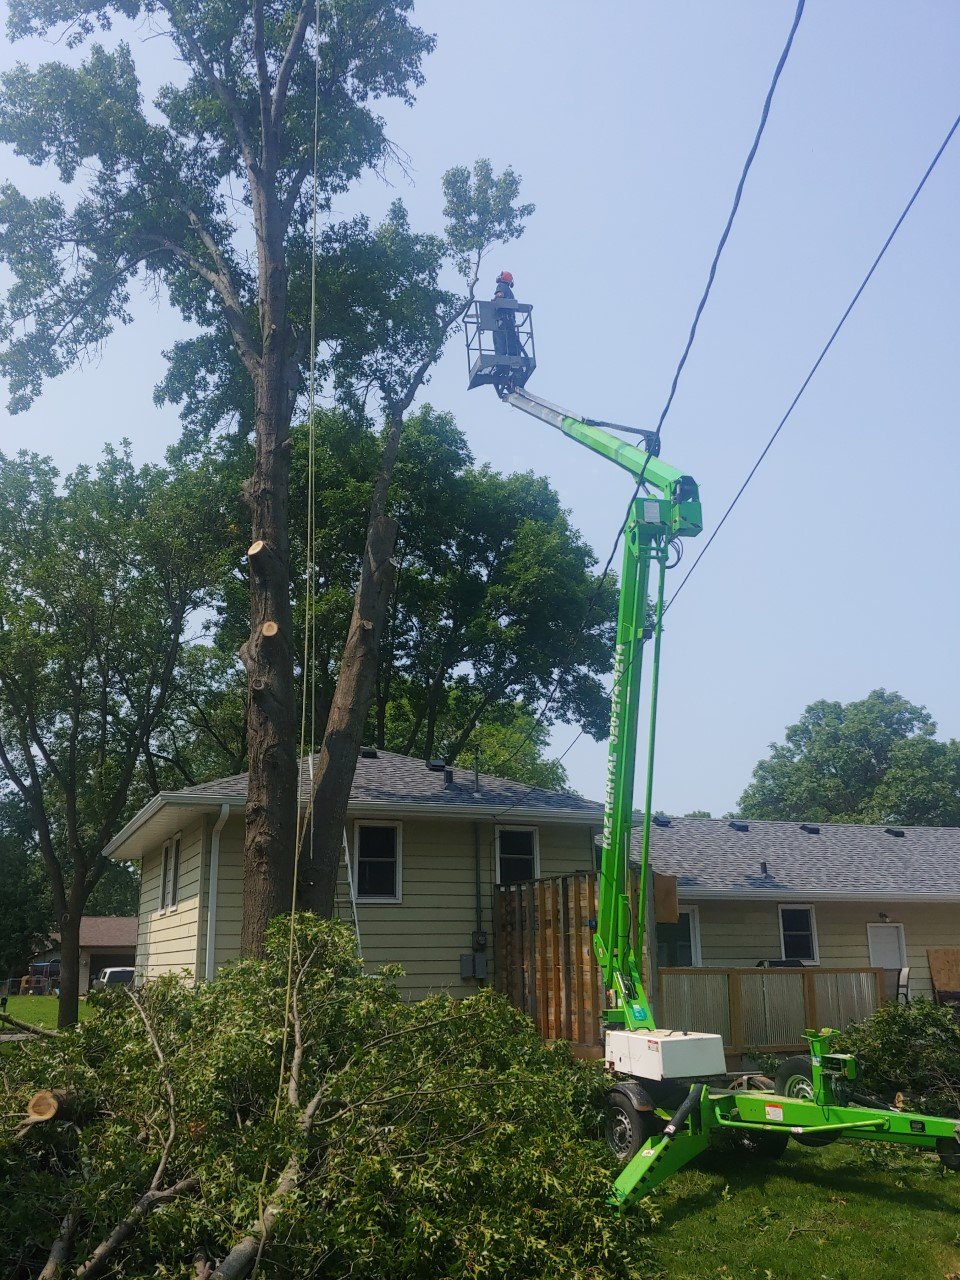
[738, 934]
[167, 939]
[433, 924]
[426, 932]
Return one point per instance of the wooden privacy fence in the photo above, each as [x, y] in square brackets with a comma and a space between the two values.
[543, 956]
[766, 1009]
[544, 964]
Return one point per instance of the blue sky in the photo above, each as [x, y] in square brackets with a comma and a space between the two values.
[629, 123]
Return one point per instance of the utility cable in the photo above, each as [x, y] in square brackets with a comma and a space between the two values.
[308, 672]
[655, 446]
[820, 358]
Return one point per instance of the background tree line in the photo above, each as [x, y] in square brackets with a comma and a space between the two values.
[123, 607]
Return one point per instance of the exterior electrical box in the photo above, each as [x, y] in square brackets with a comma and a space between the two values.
[473, 964]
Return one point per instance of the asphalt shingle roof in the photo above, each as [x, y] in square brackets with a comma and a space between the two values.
[390, 778]
[709, 855]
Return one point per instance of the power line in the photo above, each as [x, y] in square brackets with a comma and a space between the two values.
[654, 449]
[820, 358]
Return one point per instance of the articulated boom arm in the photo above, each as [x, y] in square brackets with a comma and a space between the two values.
[652, 524]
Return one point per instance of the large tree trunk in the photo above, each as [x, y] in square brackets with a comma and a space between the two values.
[356, 684]
[337, 758]
[69, 1010]
[271, 813]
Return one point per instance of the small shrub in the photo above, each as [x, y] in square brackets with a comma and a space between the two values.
[913, 1049]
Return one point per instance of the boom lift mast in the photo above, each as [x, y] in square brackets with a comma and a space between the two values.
[674, 1095]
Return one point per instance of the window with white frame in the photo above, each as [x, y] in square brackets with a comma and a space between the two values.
[678, 945]
[377, 861]
[170, 873]
[518, 854]
[798, 934]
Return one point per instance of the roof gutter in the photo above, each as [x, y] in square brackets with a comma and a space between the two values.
[689, 893]
[212, 891]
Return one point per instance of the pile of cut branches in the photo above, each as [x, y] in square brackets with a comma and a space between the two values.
[438, 1139]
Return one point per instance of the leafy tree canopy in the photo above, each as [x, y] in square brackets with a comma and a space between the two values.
[103, 579]
[486, 623]
[875, 760]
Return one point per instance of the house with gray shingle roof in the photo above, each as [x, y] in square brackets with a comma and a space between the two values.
[822, 894]
[425, 847]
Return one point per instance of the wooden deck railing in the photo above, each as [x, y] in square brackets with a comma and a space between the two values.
[766, 1009]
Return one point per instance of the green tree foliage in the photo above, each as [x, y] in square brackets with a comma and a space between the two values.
[101, 581]
[147, 185]
[913, 1049]
[26, 907]
[441, 1138]
[486, 621]
[511, 742]
[875, 761]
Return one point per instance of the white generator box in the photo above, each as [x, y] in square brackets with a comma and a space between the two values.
[665, 1055]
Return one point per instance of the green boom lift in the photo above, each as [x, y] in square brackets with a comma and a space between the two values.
[673, 1095]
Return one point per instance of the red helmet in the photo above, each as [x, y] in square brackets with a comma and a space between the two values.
[506, 277]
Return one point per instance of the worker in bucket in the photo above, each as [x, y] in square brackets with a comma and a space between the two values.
[505, 339]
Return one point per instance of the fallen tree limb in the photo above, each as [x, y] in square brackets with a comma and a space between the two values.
[60, 1250]
[96, 1264]
[28, 1027]
[240, 1260]
[51, 1104]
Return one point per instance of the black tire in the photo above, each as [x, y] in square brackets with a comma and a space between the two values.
[760, 1144]
[625, 1127]
[948, 1149]
[794, 1079]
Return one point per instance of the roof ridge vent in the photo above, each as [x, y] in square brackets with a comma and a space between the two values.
[368, 753]
[811, 828]
[739, 826]
[895, 831]
[659, 820]
[435, 766]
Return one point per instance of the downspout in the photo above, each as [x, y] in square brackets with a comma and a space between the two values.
[212, 891]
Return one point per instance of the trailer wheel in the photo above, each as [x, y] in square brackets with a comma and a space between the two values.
[794, 1079]
[948, 1149]
[625, 1127]
[760, 1144]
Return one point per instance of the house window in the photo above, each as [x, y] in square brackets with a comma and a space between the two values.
[798, 935]
[517, 854]
[377, 861]
[678, 945]
[170, 874]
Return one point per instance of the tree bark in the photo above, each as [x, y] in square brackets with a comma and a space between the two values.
[69, 1009]
[271, 811]
[337, 758]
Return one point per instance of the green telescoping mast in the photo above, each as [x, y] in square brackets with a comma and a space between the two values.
[673, 1095]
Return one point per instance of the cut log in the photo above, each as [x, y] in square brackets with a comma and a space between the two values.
[255, 548]
[269, 629]
[50, 1104]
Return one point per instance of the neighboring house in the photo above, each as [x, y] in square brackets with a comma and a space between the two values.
[819, 894]
[105, 941]
[426, 845]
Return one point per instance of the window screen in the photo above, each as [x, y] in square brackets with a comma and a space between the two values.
[517, 860]
[377, 862]
[798, 940]
[675, 943]
[170, 874]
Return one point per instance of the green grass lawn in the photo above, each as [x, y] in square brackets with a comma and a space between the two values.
[847, 1212]
[40, 1011]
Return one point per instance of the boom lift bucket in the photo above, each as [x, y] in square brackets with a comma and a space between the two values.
[500, 348]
